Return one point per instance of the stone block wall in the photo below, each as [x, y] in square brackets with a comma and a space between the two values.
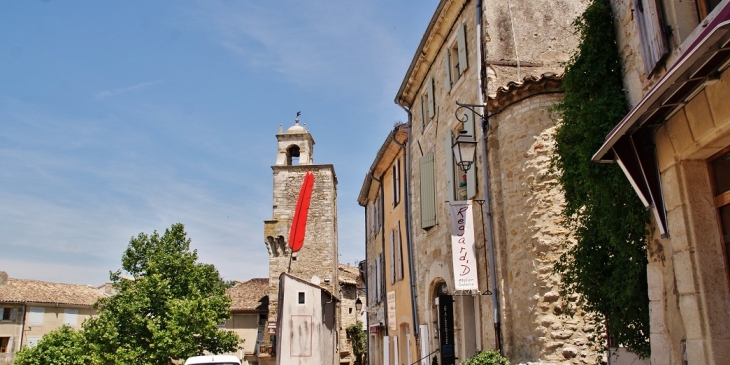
[688, 288]
[318, 255]
[530, 238]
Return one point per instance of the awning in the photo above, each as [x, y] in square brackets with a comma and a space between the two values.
[700, 65]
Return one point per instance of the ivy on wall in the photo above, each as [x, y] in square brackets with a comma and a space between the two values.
[607, 264]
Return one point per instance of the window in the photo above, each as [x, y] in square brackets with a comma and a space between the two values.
[721, 180]
[301, 297]
[36, 317]
[33, 340]
[396, 182]
[428, 197]
[6, 313]
[653, 40]
[460, 185]
[70, 317]
[4, 344]
[455, 58]
[428, 103]
[704, 7]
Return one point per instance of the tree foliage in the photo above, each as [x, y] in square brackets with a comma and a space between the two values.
[607, 265]
[490, 357]
[169, 309]
[358, 338]
[64, 346]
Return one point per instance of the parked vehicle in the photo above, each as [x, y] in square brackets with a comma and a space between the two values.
[213, 360]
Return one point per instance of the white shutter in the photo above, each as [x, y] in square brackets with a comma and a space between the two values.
[70, 317]
[425, 350]
[11, 345]
[653, 43]
[447, 70]
[431, 99]
[33, 340]
[14, 314]
[386, 350]
[36, 316]
[396, 357]
[461, 43]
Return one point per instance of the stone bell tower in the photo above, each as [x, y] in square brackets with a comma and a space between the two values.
[317, 259]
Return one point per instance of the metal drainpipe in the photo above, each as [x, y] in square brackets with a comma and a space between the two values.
[483, 83]
[382, 240]
[22, 326]
[406, 193]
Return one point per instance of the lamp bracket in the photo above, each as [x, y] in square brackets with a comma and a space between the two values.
[471, 107]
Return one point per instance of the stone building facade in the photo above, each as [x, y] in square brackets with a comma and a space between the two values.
[317, 260]
[523, 42]
[673, 146]
[390, 301]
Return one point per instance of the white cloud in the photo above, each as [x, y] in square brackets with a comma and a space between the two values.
[308, 43]
[112, 92]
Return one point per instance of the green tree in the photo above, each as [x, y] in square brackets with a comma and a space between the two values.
[607, 265]
[358, 338]
[168, 310]
[489, 357]
[63, 346]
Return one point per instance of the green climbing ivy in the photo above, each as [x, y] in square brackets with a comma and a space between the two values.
[358, 339]
[607, 265]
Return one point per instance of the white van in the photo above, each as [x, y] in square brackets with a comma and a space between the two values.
[213, 359]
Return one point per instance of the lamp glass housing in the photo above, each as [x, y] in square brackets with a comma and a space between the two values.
[358, 305]
[465, 148]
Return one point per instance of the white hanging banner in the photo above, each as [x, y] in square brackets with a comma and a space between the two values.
[462, 246]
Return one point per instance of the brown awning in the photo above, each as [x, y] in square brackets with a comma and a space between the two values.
[700, 65]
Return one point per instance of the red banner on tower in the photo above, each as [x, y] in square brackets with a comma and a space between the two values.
[299, 222]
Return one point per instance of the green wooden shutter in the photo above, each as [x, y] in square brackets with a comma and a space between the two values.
[431, 99]
[448, 142]
[471, 175]
[447, 70]
[423, 115]
[398, 252]
[461, 43]
[428, 199]
[392, 256]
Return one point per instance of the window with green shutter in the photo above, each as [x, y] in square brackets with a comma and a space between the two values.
[428, 195]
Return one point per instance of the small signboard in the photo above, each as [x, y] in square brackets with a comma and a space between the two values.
[374, 329]
[391, 311]
[272, 327]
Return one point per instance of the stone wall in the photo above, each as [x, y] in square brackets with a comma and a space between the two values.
[530, 238]
[319, 254]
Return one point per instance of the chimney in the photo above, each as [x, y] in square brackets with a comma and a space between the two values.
[3, 278]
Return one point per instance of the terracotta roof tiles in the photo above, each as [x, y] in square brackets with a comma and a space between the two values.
[36, 291]
[250, 295]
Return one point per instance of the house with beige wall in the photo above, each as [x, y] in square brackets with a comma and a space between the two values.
[32, 308]
[352, 285]
[385, 199]
[249, 312]
[673, 146]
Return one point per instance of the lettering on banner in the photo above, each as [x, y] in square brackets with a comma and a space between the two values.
[463, 246]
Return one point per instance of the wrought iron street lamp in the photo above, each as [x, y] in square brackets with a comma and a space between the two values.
[465, 150]
[358, 305]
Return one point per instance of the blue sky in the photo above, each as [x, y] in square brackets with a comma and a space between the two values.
[125, 117]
